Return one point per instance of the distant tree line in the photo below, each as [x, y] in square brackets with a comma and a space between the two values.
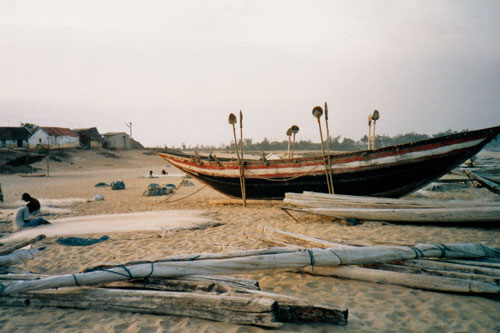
[336, 144]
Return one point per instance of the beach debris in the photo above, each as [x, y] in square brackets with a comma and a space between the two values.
[394, 210]
[252, 261]
[38, 221]
[18, 257]
[437, 275]
[78, 241]
[230, 299]
[99, 197]
[118, 185]
[102, 184]
[20, 245]
[157, 190]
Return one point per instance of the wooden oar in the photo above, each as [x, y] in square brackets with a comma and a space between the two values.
[242, 165]
[294, 129]
[328, 148]
[375, 117]
[289, 134]
[318, 112]
[232, 120]
[369, 131]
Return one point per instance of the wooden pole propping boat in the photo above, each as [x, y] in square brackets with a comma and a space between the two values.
[489, 184]
[280, 259]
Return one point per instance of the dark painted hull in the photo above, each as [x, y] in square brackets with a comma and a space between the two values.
[383, 179]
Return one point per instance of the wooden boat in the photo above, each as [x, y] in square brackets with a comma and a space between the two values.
[385, 172]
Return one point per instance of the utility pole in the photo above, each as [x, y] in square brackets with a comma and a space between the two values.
[129, 125]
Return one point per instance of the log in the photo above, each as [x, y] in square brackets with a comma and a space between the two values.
[17, 246]
[229, 308]
[490, 185]
[236, 265]
[384, 201]
[431, 267]
[195, 283]
[18, 257]
[436, 272]
[303, 240]
[291, 309]
[491, 263]
[414, 215]
[443, 265]
[420, 281]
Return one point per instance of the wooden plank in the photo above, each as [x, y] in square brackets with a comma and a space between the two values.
[385, 201]
[229, 308]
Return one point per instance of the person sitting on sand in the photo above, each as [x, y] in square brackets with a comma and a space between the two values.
[23, 213]
[163, 172]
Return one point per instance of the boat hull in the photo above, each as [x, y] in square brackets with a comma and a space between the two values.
[386, 172]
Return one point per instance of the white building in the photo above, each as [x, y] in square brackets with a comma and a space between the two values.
[53, 138]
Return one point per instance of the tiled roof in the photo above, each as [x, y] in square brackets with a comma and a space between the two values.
[14, 133]
[59, 131]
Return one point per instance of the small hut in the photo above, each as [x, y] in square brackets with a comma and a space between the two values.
[14, 137]
[116, 140]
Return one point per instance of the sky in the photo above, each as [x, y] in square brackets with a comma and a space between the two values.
[177, 69]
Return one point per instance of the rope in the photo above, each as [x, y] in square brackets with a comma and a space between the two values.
[283, 179]
[340, 259]
[187, 196]
[76, 281]
[418, 252]
[443, 249]
[311, 257]
[178, 187]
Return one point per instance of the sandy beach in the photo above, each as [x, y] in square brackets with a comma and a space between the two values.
[372, 307]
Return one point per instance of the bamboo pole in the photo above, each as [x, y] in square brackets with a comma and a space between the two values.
[293, 259]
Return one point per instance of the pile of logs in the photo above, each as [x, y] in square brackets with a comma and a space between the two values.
[446, 275]
[189, 285]
[395, 210]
